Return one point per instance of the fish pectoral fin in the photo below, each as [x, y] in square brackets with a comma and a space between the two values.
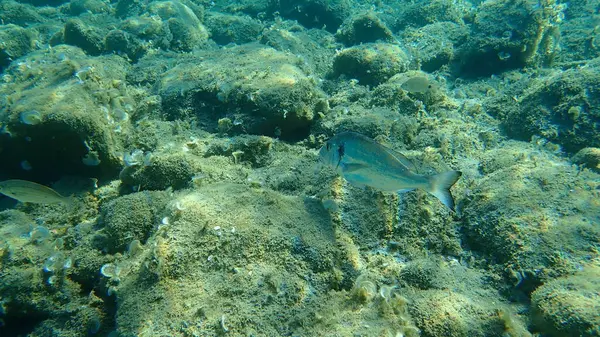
[353, 167]
[402, 159]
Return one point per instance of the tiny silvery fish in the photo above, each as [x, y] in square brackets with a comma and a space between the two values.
[364, 162]
[28, 191]
[418, 84]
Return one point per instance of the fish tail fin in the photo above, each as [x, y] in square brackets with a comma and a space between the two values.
[440, 184]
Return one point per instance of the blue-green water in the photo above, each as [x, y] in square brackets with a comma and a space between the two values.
[182, 138]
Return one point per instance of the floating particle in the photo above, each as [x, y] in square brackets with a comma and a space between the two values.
[32, 117]
[136, 157]
[91, 159]
[68, 263]
[39, 234]
[25, 165]
[94, 325]
[52, 280]
[51, 262]
[110, 270]
[503, 56]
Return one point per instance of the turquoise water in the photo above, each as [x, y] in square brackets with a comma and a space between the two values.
[180, 141]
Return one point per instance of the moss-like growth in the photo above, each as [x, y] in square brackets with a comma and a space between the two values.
[267, 92]
[426, 274]
[364, 28]
[326, 14]
[80, 107]
[123, 42]
[186, 29]
[435, 45]
[226, 29]
[505, 35]
[18, 14]
[131, 217]
[446, 313]
[562, 108]
[588, 157]
[161, 172]
[16, 42]
[254, 150]
[88, 38]
[510, 216]
[370, 63]
[569, 306]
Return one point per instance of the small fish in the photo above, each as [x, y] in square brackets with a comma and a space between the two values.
[418, 84]
[364, 162]
[28, 191]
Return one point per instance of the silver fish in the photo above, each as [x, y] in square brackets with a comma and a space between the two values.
[364, 162]
[28, 191]
[418, 84]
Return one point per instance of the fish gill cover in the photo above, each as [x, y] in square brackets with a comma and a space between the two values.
[187, 135]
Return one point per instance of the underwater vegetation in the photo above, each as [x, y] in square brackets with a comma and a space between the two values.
[161, 176]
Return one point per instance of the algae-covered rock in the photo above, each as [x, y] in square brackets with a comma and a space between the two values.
[118, 41]
[527, 211]
[226, 248]
[226, 28]
[570, 305]
[47, 306]
[131, 217]
[435, 45]
[325, 14]
[15, 42]
[160, 172]
[148, 29]
[37, 284]
[174, 25]
[65, 114]
[41, 3]
[426, 274]
[278, 97]
[18, 14]
[364, 28]
[506, 35]
[579, 37]
[588, 157]
[371, 63]
[88, 38]
[299, 41]
[418, 14]
[126, 8]
[78, 7]
[447, 313]
[185, 27]
[243, 149]
[562, 107]
[371, 122]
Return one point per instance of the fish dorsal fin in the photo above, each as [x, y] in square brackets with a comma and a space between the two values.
[402, 159]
